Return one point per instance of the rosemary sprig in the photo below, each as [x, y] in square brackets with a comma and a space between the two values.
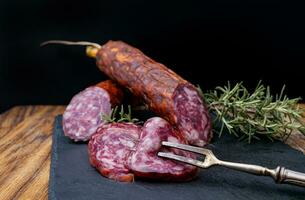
[249, 115]
[120, 116]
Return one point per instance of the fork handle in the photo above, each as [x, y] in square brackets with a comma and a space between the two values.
[279, 174]
[290, 177]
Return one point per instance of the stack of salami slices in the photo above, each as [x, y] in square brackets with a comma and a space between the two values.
[125, 151]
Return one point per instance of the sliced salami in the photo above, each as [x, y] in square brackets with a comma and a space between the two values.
[145, 163]
[83, 115]
[109, 150]
[192, 115]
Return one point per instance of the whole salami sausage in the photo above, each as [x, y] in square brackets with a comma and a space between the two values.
[144, 161]
[165, 93]
[110, 147]
[83, 115]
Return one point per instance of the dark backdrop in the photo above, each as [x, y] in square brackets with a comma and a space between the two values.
[207, 42]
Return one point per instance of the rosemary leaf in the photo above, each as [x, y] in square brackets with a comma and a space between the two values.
[249, 115]
[122, 116]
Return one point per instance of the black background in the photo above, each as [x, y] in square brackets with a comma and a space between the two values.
[207, 42]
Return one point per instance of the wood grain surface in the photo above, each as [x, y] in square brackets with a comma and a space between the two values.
[25, 147]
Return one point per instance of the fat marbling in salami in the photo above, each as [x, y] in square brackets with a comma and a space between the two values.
[84, 113]
[110, 147]
[144, 161]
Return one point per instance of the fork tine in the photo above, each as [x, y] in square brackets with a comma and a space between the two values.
[191, 161]
[186, 147]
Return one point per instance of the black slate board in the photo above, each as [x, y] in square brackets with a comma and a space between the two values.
[72, 177]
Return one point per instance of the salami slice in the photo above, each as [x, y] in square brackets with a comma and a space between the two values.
[165, 92]
[109, 150]
[83, 115]
[145, 163]
[192, 116]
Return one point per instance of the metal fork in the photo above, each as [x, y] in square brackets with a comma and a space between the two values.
[279, 174]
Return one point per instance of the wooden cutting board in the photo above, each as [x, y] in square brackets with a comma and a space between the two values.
[25, 146]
